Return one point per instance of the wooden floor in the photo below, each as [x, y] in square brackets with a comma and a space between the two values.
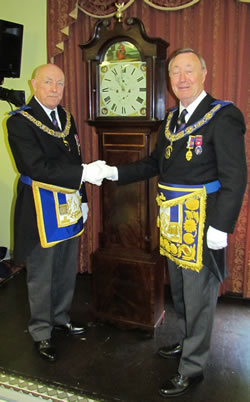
[110, 364]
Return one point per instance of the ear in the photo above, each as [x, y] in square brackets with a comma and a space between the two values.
[204, 76]
[33, 83]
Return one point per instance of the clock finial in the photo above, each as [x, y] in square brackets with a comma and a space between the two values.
[118, 13]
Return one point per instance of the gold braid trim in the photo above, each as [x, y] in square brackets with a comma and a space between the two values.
[52, 187]
[47, 130]
[55, 207]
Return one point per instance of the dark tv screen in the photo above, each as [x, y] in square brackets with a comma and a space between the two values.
[11, 39]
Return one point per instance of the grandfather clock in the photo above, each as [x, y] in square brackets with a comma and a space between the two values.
[126, 92]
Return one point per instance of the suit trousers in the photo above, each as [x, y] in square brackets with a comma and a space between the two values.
[195, 297]
[51, 276]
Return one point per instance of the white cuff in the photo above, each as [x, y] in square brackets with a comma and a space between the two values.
[216, 239]
[85, 210]
[111, 173]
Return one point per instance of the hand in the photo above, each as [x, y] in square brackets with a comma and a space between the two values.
[110, 172]
[85, 210]
[216, 239]
[93, 172]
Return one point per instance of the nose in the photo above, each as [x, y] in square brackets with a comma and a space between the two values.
[182, 76]
[54, 87]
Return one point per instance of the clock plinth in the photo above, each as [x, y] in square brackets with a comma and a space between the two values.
[128, 288]
[127, 81]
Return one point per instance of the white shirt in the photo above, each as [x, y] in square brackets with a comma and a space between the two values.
[191, 108]
[48, 111]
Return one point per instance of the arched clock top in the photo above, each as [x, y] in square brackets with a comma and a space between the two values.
[121, 50]
[126, 73]
[132, 30]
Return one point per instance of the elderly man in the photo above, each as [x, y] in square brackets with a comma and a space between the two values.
[51, 205]
[201, 163]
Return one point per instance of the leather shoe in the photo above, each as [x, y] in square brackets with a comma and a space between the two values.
[72, 328]
[169, 352]
[178, 385]
[46, 350]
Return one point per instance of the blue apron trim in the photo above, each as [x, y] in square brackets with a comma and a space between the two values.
[26, 180]
[55, 221]
[49, 230]
[211, 187]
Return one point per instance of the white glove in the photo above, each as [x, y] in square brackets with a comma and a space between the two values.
[85, 210]
[216, 239]
[93, 172]
[111, 172]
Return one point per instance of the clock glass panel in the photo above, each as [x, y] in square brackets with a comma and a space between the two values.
[122, 82]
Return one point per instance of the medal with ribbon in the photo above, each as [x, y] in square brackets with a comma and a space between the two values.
[198, 144]
[190, 146]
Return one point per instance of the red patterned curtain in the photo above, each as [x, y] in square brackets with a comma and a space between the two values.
[202, 25]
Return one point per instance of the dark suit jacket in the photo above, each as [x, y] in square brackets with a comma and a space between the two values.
[223, 158]
[43, 158]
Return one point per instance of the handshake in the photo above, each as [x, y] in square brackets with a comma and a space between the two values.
[95, 172]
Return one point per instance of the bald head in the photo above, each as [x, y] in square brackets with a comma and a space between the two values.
[48, 85]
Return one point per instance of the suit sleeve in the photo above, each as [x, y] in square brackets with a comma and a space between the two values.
[228, 138]
[145, 168]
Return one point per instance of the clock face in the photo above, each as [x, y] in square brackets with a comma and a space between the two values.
[122, 89]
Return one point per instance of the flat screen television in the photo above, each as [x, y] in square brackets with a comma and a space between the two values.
[11, 40]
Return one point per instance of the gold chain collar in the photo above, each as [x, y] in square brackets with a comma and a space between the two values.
[189, 129]
[53, 133]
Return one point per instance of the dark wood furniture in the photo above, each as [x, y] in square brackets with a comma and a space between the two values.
[128, 272]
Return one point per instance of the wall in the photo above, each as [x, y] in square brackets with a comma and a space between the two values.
[32, 14]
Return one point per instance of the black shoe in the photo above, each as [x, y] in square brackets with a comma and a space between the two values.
[170, 351]
[46, 350]
[72, 328]
[178, 385]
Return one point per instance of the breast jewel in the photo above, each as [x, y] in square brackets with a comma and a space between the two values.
[189, 130]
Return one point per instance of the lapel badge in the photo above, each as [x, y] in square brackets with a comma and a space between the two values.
[198, 144]
[78, 144]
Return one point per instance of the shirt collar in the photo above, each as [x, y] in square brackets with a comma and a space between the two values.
[191, 108]
[46, 109]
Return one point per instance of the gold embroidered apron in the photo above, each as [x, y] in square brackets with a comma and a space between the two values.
[181, 220]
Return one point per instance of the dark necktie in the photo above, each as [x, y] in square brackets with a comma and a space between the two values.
[54, 119]
[180, 124]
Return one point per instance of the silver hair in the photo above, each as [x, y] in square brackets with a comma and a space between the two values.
[187, 50]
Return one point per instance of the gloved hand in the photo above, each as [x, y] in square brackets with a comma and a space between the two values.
[93, 172]
[111, 172]
[216, 239]
[85, 211]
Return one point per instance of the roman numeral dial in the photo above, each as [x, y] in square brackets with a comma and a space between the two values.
[122, 89]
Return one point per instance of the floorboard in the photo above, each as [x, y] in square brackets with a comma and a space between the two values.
[112, 364]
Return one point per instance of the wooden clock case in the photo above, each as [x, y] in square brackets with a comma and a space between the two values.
[128, 272]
